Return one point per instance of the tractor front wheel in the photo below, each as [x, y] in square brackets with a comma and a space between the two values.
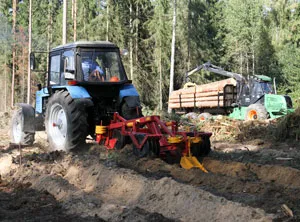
[17, 133]
[256, 112]
[66, 122]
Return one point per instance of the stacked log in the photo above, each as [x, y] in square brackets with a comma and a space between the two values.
[201, 96]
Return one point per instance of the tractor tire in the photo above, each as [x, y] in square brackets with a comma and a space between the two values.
[130, 113]
[256, 112]
[145, 150]
[66, 122]
[16, 132]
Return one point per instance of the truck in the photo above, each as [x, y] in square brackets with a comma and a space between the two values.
[87, 93]
[240, 97]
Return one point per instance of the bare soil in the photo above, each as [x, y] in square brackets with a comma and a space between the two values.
[246, 182]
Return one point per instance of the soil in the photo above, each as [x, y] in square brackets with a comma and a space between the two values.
[253, 181]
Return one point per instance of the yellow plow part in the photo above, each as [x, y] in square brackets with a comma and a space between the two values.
[189, 161]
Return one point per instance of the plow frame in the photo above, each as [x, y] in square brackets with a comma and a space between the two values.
[170, 139]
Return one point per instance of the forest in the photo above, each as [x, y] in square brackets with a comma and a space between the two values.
[247, 37]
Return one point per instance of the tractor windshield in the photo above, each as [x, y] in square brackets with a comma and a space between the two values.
[102, 66]
[267, 87]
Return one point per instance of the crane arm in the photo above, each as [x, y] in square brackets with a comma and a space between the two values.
[215, 69]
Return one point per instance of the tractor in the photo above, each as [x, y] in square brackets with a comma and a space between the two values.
[87, 93]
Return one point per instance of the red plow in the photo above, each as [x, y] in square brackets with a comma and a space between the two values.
[151, 136]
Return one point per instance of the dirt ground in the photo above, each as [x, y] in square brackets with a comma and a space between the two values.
[254, 181]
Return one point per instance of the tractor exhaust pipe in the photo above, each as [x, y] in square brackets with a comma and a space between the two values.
[274, 82]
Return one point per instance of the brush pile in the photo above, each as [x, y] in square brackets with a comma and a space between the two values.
[227, 129]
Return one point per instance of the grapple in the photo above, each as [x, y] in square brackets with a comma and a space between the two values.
[152, 136]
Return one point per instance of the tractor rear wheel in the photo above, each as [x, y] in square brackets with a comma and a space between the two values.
[256, 112]
[17, 134]
[130, 113]
[66, 122]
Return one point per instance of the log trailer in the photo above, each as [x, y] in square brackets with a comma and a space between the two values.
[88, 94]
[242, 98]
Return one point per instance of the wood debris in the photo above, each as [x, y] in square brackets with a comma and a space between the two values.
[287, 210]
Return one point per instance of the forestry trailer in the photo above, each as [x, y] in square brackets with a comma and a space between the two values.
[88, 94]
[243, 98]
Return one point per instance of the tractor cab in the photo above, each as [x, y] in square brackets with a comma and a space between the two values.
[84, 63]
[254, 89]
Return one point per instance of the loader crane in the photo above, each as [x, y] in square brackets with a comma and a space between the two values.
[249, 98]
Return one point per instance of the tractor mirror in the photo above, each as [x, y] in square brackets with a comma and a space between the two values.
[32, 61]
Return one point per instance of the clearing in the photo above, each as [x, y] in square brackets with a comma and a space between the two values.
[251, 178]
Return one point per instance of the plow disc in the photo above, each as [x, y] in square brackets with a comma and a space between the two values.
[152, 137]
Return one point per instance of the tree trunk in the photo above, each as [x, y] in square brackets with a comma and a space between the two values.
[241, 63]
[189, 42]
[23, 76]
[5, 75]
[131, 40]
[137, 34]
[74, 11]
[160, 70]
[29, 51]
[253, 62]
[172, 55]
[247, 64]
[13, 53]
[160, 78]
[64, 31]
[107, 20]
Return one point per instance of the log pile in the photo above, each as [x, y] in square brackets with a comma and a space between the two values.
[202, 96]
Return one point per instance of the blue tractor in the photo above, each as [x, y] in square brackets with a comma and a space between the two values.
[86, 85]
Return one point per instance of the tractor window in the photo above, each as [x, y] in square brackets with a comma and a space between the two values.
[257, 90]
[267, 87]
[55, 70]
[69, 67]
[102, 66]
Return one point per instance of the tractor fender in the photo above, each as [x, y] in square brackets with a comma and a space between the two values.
[76, 92]
[28, 117]
[129, 94]
[128, 90]
[39, 96]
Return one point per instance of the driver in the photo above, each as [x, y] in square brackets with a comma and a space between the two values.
[92, 71]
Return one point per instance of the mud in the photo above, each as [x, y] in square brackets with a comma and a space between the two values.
[86, 186]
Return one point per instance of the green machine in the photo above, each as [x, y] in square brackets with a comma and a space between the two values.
[253, 97]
